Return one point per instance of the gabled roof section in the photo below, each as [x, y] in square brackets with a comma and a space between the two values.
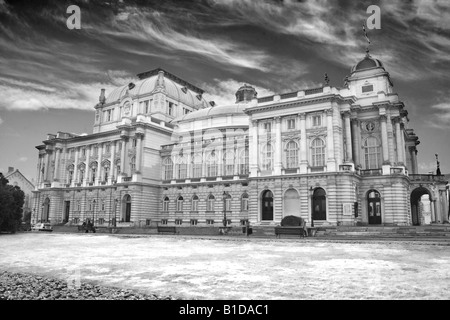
[148, 74]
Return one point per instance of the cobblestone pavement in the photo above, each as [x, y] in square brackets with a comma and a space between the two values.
[19, 286]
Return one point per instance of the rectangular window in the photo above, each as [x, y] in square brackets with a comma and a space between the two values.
[291, 124]
[368, 88]
[268, 127]
[317, 121]
[178, 221]
[148, 222]
[209, 221]
[170, 109]
[163, 221]
[194, 222]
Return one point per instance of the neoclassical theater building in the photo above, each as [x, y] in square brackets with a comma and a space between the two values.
[161, 154]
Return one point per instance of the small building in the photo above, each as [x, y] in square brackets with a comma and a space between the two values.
[16, 178]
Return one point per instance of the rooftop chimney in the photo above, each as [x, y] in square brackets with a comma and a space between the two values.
[10, 169]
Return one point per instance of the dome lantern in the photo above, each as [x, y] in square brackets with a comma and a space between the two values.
[245, 94]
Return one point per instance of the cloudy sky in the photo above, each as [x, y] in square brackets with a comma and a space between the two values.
[50, 76]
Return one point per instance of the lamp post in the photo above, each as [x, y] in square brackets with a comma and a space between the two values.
[115, 210]
[225, 209]
[311, 191]
[93, 212]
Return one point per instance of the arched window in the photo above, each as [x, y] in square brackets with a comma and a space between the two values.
[318, 153]
[211, 164]
[291, 155]
[93, 171]
[81, 170]
[267, 157]
[118, 167]
[197, 166]
[210, 203]
[195, 203]
[372, 158]
[227, 202]
[126, 213]
[133, 164]
[243, 162]
[244, 202]
[229, 163]
[167, 169]
[180, 203]
[106, 166]
[70, 174]
[166, 204]
[182, 168]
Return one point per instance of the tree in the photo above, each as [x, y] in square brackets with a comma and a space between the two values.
[11, 203]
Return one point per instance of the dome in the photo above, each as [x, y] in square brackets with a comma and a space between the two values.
[178, 90]
[367, 63]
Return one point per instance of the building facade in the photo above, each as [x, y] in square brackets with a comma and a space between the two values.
[16, 178]
[161, 154]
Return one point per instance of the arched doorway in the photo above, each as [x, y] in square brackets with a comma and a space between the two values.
[374, 207]
[319, 205]
[126, 212]
[291, 201]
[46, 210]
[267, 205]
[418, 196]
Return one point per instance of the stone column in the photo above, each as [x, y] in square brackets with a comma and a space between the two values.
[384, 139]
[47, 165]
[348, 137]
[39, 172]
[303, 144]
[57, 159]
[139, 137]
[437, 210]
[444, 205]
[123, 155]
[398, 138]
[331, 163]
[433, 215]
[355, 139]
[111, 162]
[86, 172]
[98, 178]
[253, 150]
[75, 168]
[390, 139]
[278, 147]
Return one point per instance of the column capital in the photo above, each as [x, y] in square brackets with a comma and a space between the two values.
[277, 119]
[302, 115]
[383, 117]
[139, 135]
[347, 113]
[254, 123]
[354, 121]
[396, 119]
[329, 112]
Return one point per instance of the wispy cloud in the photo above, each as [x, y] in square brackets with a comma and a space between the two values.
[222, 92]
[440, 116]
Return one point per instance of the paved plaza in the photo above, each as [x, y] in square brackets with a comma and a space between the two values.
[189, 267]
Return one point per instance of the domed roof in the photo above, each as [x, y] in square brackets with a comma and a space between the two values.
[177, 91]
[225, 110]
[367, 63]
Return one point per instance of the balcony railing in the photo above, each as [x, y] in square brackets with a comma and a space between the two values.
[371, 172]
[127, 179]
[426, 177]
